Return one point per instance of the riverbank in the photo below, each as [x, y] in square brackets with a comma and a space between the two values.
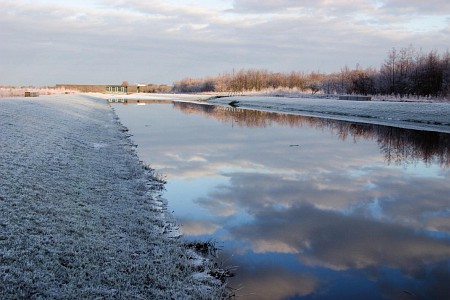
[81, 216]
[430, 116]
[417, 115]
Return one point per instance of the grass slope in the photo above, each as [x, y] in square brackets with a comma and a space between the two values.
[80, 216]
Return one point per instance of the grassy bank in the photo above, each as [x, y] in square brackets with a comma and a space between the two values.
[81, 216]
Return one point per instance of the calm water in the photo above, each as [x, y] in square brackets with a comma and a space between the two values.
[305, 208]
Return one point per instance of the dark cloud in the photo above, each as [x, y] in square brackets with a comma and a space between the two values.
[440, 7]
[343, 243]
[344, 7]
[415, 202]
[271, 6]
[330, 239]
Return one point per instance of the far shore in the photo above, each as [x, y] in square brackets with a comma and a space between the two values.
[10, 91]
[413, 113]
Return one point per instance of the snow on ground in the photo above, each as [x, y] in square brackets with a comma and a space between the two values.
[413, 115]
[81, 217]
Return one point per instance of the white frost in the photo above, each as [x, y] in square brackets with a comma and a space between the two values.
[81, 217]
[412, 115]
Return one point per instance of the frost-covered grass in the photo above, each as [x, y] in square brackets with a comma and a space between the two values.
[13, 91]
[433, 116]
[81, 217]
[296, 93]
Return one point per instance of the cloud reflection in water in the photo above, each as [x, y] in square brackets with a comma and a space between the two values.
[365, 200]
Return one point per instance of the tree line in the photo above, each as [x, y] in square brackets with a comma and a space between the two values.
[404, 73]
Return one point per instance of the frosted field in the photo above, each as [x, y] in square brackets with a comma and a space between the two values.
[412, 115]
[80, 216]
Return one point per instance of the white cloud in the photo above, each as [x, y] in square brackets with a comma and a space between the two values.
[274, 283]
[194, 228]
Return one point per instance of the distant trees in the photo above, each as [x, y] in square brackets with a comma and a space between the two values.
[192, 85]
[413, 73]
[405, 73]
[155, 88]
[245, 80]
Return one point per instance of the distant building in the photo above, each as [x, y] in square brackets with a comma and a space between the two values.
[117, 89]
[31, 94]
[99, 88]
[140, 88]
[124, 88]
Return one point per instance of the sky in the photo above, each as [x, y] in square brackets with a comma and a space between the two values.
[45, 42]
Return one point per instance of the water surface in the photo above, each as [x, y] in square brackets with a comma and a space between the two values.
[305, 208]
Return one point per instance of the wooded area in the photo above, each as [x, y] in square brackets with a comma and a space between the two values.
[404, 73]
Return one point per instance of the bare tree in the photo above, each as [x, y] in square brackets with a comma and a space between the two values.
[406, 72]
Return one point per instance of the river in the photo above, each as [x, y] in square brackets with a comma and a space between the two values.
[303, 207]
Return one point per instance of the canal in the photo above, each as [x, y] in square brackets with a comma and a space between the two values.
[303, 207]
